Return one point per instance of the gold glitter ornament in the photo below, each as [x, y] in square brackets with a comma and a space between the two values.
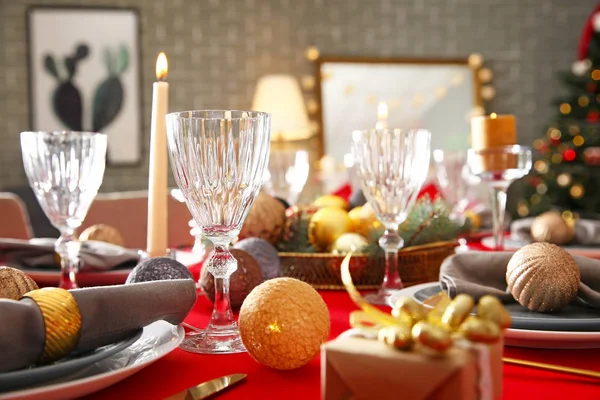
[349, 243]
[283, 323]
[326, 225]
[265, 220]
[331, 200]
[15, 283]
[103, 233]
[550, 227]
[542, 277]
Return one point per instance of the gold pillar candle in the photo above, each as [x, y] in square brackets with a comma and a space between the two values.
[493, 131]
[489, 134]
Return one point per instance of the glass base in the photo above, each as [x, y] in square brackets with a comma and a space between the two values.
[382, 297]
[211, 341]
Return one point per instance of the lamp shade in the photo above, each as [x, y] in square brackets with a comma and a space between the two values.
[280, 96]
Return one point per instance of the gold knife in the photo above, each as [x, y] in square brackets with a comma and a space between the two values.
[206, 389]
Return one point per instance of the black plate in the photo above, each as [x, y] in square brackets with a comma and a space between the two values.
[570, 318]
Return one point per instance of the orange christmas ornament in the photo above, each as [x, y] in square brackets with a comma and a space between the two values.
[283, 323]
[103, 233]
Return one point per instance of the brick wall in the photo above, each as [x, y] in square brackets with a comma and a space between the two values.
[219, 48]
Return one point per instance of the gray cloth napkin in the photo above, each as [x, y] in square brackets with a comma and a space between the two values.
[479, 273]
[94, 255]
[587, 231]
[109, 314]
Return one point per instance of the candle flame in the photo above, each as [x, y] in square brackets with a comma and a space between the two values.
[493, 115]
[382, 111]
[162, 67]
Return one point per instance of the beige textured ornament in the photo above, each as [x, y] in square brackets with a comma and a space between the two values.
[15, 283]
[283, 323]
[550, 227]
[265, 220]
[542, 277]
[349, 243]
[103, 233]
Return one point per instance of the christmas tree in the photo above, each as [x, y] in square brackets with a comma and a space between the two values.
[566, 177]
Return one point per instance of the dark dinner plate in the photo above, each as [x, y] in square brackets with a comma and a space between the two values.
[35, 376]
[570, 318]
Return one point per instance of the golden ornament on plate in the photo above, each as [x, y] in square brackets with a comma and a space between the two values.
[542, 277]
[550, 227]
[283, 323]
[103, 233]
[331, 200]
[326, 225]
[349, 243]
[265, 220]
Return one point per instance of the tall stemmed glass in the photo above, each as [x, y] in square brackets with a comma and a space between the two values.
[499, 167]
[218, 158]
[65, 171]
[287, 174]
[392, 165]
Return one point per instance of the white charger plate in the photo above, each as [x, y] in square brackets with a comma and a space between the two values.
[158, 339]
[521, 337]
[513, 244]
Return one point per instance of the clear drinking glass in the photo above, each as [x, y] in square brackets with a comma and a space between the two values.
[287, 174]
[392, 165]
[499, 167]
[454, 179]
[65, 171]
[218, 158]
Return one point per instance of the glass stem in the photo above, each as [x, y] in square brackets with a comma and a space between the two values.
[498, 197]
[391, 242]
[67, 247]
[222, 266]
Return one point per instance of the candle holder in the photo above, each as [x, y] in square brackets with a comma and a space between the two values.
[218, 159]
[499, 167]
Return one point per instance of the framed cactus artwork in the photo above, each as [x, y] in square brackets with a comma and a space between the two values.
[84, 70]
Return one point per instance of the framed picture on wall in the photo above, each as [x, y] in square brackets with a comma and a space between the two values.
[84, 74]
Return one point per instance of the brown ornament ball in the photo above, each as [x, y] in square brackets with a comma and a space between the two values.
[265, 220]
[15, 283]
[247, 276]
[550, 227]
[103, 233]
[283, 323]
[326, 225]
[542, 277]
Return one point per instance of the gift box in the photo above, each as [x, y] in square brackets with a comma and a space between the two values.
[359, 368]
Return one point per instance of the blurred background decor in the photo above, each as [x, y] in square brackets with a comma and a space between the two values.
[86, 75]
[440, 95]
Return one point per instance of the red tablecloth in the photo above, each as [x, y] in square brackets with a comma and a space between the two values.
[180, 370]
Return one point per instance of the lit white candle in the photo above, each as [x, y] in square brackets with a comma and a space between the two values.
[382, 116]
[157, 183]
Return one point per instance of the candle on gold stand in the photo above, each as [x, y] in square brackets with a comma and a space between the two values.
[489, 133]
[157, 182]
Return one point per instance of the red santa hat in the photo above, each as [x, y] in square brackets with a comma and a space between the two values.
[592, 24]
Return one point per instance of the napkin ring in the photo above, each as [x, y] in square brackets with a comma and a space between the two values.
[62, 322]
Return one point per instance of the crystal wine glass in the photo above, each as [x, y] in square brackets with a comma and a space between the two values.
[454, 179]
[499, 167]
[287, 174]
[65, 171]
[218, 158]
[392, 165]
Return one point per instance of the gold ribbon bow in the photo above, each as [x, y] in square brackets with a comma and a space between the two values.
[433, 327]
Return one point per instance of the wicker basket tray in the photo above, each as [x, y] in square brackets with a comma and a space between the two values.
[418, 264]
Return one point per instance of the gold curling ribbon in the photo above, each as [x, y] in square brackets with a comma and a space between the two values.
[434, 328]
[62, 322]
